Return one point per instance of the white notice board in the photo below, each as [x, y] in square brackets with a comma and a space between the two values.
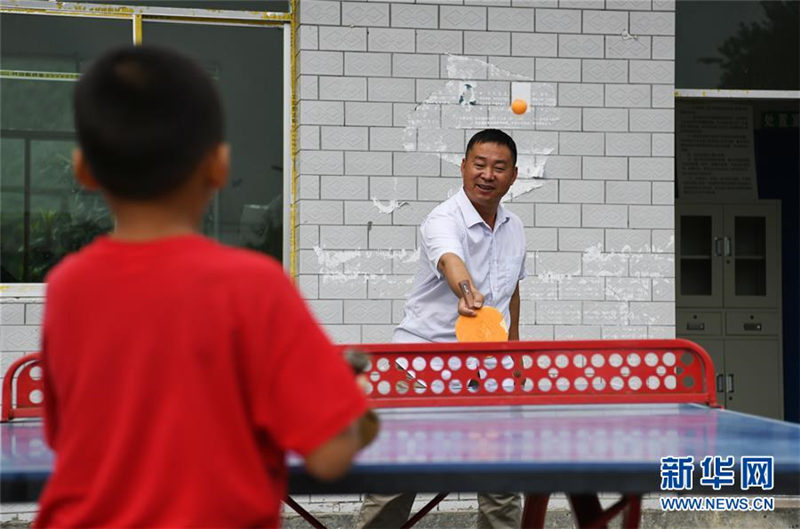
[715, 155]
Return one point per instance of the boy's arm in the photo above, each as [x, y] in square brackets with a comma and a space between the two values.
[303, 394]
[332, 458]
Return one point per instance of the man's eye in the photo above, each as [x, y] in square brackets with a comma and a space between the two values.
[479, 166]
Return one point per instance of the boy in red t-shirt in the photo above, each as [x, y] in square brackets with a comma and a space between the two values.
[178, 371]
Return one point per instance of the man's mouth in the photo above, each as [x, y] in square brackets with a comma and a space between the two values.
[484, 187]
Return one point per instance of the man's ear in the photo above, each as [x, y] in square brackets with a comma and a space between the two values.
[219, 164]
[516, 172]
[83, 173]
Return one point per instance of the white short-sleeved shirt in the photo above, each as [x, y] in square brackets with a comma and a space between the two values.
[494, 258]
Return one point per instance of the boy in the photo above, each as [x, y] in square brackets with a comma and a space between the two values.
[178, 371]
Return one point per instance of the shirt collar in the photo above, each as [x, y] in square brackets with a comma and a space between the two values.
[471, 215]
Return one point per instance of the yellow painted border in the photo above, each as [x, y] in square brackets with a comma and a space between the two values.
[40, 7]
[42, 76]
[121, 12]
[137, 15]
[293, 144]
[137, 30]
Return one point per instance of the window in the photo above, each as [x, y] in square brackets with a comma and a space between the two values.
[45, 215]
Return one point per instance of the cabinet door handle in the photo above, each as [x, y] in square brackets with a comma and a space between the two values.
[752, 326]
[730, 384]
[718, 246]
[695, 326]
[728, 246]
[719, 383]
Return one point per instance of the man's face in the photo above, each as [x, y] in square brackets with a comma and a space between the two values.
[488, 172]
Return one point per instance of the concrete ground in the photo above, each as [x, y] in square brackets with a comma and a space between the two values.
[562, 519]
[785, 516]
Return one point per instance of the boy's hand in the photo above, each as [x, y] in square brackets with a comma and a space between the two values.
[358, 360]
[470, 300]
[368, 424]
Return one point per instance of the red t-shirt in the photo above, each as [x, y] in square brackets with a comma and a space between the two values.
[177, 373]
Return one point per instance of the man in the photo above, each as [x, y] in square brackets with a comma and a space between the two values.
[472, 253]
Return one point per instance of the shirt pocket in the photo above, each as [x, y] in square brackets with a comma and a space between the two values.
[510, 267]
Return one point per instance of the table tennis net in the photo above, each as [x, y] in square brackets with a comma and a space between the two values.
[585, 372]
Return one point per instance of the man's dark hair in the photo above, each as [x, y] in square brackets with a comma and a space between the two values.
[494, 136]
[145, 118]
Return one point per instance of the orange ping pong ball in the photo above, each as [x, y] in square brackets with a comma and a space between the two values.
[519, 106]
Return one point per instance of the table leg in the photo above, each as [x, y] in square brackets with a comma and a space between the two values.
[633, 513]
[425, 510]
[307, 516]
[587, 510]
[534, 511]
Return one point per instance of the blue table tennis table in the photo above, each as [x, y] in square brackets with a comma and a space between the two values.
[512, 423]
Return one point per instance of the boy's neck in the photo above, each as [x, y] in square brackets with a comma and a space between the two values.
[148, 221]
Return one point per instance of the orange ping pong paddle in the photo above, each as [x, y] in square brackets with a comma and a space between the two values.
[487, 325]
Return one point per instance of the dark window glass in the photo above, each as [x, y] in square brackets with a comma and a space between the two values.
[44, 213]
[247, 63]
[737, 45]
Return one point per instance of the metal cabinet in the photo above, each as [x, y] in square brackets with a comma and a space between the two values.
[728, 299]
[728, 256]
[747, 371]
[753, 377]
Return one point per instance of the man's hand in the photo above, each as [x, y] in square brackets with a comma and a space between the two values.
[471, 299]
[458, 279]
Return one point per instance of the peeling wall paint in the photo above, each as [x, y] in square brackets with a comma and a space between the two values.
[331, 261]
[388, 208]
[466, 103]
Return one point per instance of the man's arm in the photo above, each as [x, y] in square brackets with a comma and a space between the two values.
[513, 309]
[460, 282]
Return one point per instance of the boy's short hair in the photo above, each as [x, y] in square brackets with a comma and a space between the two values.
[494, 136]
[145, 118]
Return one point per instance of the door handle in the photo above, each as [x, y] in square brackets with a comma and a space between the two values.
[728, 246]
[717, 246]
[719, 383]
[729, 389]
[695, 326]
[752, 326]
